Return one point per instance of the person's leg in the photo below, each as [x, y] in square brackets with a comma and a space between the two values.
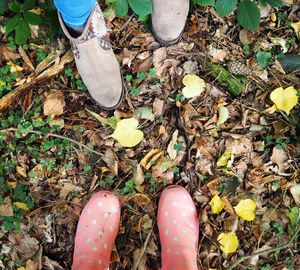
[83, 23]
[178, 229]
[168, 19]
[75, 13]
[96, 232]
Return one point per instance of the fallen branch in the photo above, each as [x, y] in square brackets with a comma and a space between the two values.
[21, 90]
[265, 252]
[55, 136]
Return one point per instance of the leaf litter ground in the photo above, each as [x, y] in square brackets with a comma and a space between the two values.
[58, 148]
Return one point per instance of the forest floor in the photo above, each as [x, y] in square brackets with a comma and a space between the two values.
[55, 154]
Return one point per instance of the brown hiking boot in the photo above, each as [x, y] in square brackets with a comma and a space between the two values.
[168, 19]
[96, 62]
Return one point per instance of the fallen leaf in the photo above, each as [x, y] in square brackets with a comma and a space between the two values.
[228, 242]
[296, 27]
[171, 150]
[151, 158]
[216, 204]
[139, 175]
[127, 134]
[158, 106]
[223, 115]
[285, 99]
[111, 121]
[224, 159]
[54, 104]
[194, 86]
[32, 265]
[22, 206]
[295, 190]
[21, 171]
[14, 67]
[280, 157]
[245, 209]
[144, 113]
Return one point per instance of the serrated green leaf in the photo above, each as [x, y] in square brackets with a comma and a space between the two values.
[225, 7]
[248, 15]
[141, 7]
[32, 18]
[122, 7]
[263, 59]
[11, 25]
[29, 4]
[22, 32]
[205, 3]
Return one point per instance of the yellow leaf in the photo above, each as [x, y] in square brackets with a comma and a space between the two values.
[127, 134]
[14, 67]
[296, 27]
[2, 83]
[285, 99]
[224, 159]
[21, 268]
[245, 209]
[194, 86]
[216, 204]
[151, 158]
[22, 206]
[223, 115]
[228, 242]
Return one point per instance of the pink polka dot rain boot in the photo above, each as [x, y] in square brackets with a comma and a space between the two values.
[96, 232]
[178, 229]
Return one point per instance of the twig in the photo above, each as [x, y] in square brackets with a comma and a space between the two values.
[135, 266]
[126, 23]
[55, 136]
[21, 90]
[264, 252]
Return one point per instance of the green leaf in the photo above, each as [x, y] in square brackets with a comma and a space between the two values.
[14, 7]
[205, 3]
[275, 3]
[3, 4]
[32, 18]
[225, 7]
[121, 7]
[29, 4]
[263, 59]
[22, 32]
[141, 7]
[248, 15]
[11, 25]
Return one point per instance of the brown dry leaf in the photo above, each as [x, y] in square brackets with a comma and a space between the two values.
[151, 158]
[227, 207]
[111, 159]
[162, 166]
[158, 106]
[54, 104]
[28, 247]
[32, 265]
[66, 189]
[6, 208]
[279, 157]
[7, 54]
[139, 175]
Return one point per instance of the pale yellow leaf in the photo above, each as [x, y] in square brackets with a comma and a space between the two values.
[296, 27]
[194, 86]
[224, 159]
[21, 268]
[216, 204]
[245, 209]
[228, 242]
[285, 99]
[22, 206]
[171, 150]
[223, 115]
[127, 133]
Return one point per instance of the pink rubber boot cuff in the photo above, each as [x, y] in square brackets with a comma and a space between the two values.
[96, 232]
[178, 229]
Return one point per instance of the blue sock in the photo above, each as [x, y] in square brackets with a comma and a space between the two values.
[75, 13]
